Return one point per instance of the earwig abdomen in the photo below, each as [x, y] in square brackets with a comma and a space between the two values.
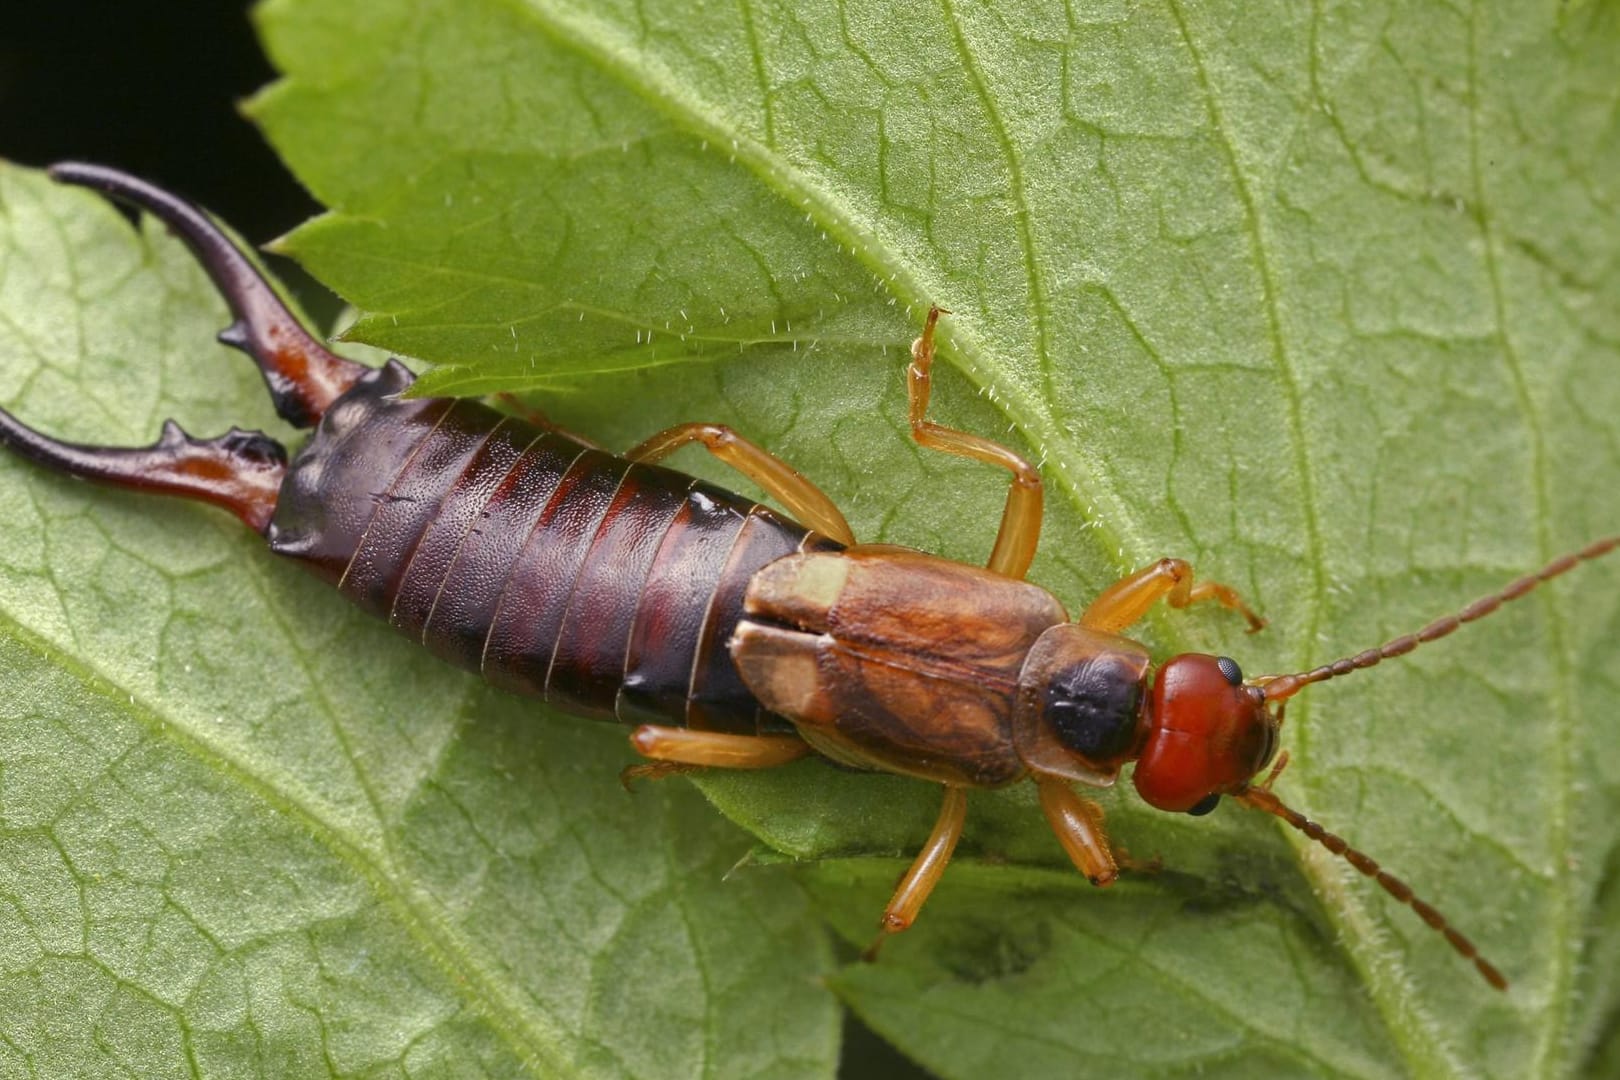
[605, 586]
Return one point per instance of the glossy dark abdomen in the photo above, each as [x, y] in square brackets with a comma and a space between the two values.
[605, 587]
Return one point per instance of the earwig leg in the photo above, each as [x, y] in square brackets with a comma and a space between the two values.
[803, 499]
[715, 749]
[1153, 864]
[240, 470]
[1078, 824]
[925, 870]
[304, 378]
[654, 770]
[1128, 599]
[1276, 768]
[1020, 531]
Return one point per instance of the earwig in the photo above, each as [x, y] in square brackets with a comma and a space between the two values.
[730, 635]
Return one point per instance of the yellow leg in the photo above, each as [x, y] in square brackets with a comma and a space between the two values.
[1020, 531]
[1128, 599]
[1278, 766]
[925, 871]
[715, 749]
[780, 480]
[1078, 824]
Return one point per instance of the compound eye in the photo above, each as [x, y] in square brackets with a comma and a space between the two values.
[1229, 668]
[1207, 803]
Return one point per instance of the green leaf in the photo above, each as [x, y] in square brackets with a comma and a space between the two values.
[246, 831]
[1322, 300]
[1327, 301]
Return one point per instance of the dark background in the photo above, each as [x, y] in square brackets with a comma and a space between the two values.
[151, 87]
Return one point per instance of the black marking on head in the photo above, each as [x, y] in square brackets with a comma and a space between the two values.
[1093, 706]
[1229, 668]
[1204, 806]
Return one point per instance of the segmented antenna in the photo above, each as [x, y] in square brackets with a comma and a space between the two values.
[1261, 799]
[1281, 687]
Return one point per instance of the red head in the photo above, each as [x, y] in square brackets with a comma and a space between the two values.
[1208, 734]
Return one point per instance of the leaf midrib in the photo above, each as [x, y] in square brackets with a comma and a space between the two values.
[1551, 1049]
[1395, 999]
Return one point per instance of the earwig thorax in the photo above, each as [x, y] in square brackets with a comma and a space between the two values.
[1079, 709]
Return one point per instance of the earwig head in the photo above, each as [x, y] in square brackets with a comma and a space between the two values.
[1208, 734]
